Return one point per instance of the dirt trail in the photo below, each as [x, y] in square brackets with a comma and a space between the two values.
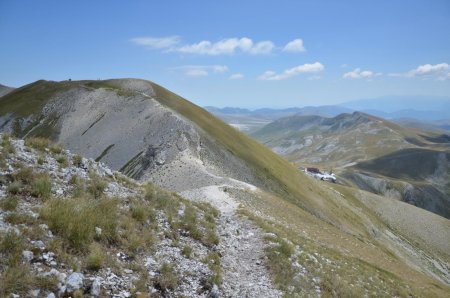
[241, 247]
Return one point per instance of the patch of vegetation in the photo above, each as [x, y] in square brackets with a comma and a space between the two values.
[104, 153]
[167, 278]
[213, 262]
[129, 167]
[96, 257]
[8, 147]
[77, 160]
[95, 122]
[56, 148]
[18, 218]
[9, 203]
[41, 187]
[75, 220]
[186, 251]
[15, 187]
[61, 159]
[40, 160]
[38, 143]
[96, 185]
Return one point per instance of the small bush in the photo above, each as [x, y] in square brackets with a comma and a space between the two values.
[190, 222]
[96, 257]
[96, 186]
[167, 278]
[56, 148]
[41, 187]
[11, 243]
[41, 159]
[138, 212]
[37, 143]
[77, 160]
[9, 203]
[187, 251]
[213, 261]
[61, 159]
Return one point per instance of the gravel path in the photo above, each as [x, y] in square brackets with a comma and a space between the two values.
[241, 247]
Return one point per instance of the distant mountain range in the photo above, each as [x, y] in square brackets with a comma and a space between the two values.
[424, 112]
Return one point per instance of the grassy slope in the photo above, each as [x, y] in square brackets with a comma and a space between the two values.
[278, 175]
[414, 163]
[347, 215]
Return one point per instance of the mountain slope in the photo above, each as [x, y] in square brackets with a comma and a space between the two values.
[152, 134]
[415, 175]
[336, 142]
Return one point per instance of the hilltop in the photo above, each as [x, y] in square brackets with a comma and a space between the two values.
[276, 226]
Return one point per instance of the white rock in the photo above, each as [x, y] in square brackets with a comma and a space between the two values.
[74, 282]
[98, 231]
[34, 293]
[27, 255]
[95, 290]
[51, 295]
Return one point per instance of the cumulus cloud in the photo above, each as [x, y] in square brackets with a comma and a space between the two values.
[236, 76]
[439, 71]
[156, 42]
[227, 47]
[294, 46]
[201, 70]
[305, 68]
[357, 73]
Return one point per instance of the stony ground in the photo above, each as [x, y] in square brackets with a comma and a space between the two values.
[241, 245]
[120, 276]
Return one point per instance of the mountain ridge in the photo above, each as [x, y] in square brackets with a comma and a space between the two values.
[180, 146]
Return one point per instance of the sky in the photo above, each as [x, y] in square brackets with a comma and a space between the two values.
[247, 53]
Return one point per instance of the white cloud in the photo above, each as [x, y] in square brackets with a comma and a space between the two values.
[262, 47]
[201, 70]
[357, 73]
[227, 47]
[305, 68]
[156, 42]
[295, 46]
[439, 71]
[196, 72]
[236, 76]
[219, 68]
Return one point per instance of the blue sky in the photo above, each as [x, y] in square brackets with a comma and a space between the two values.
[235, 53]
